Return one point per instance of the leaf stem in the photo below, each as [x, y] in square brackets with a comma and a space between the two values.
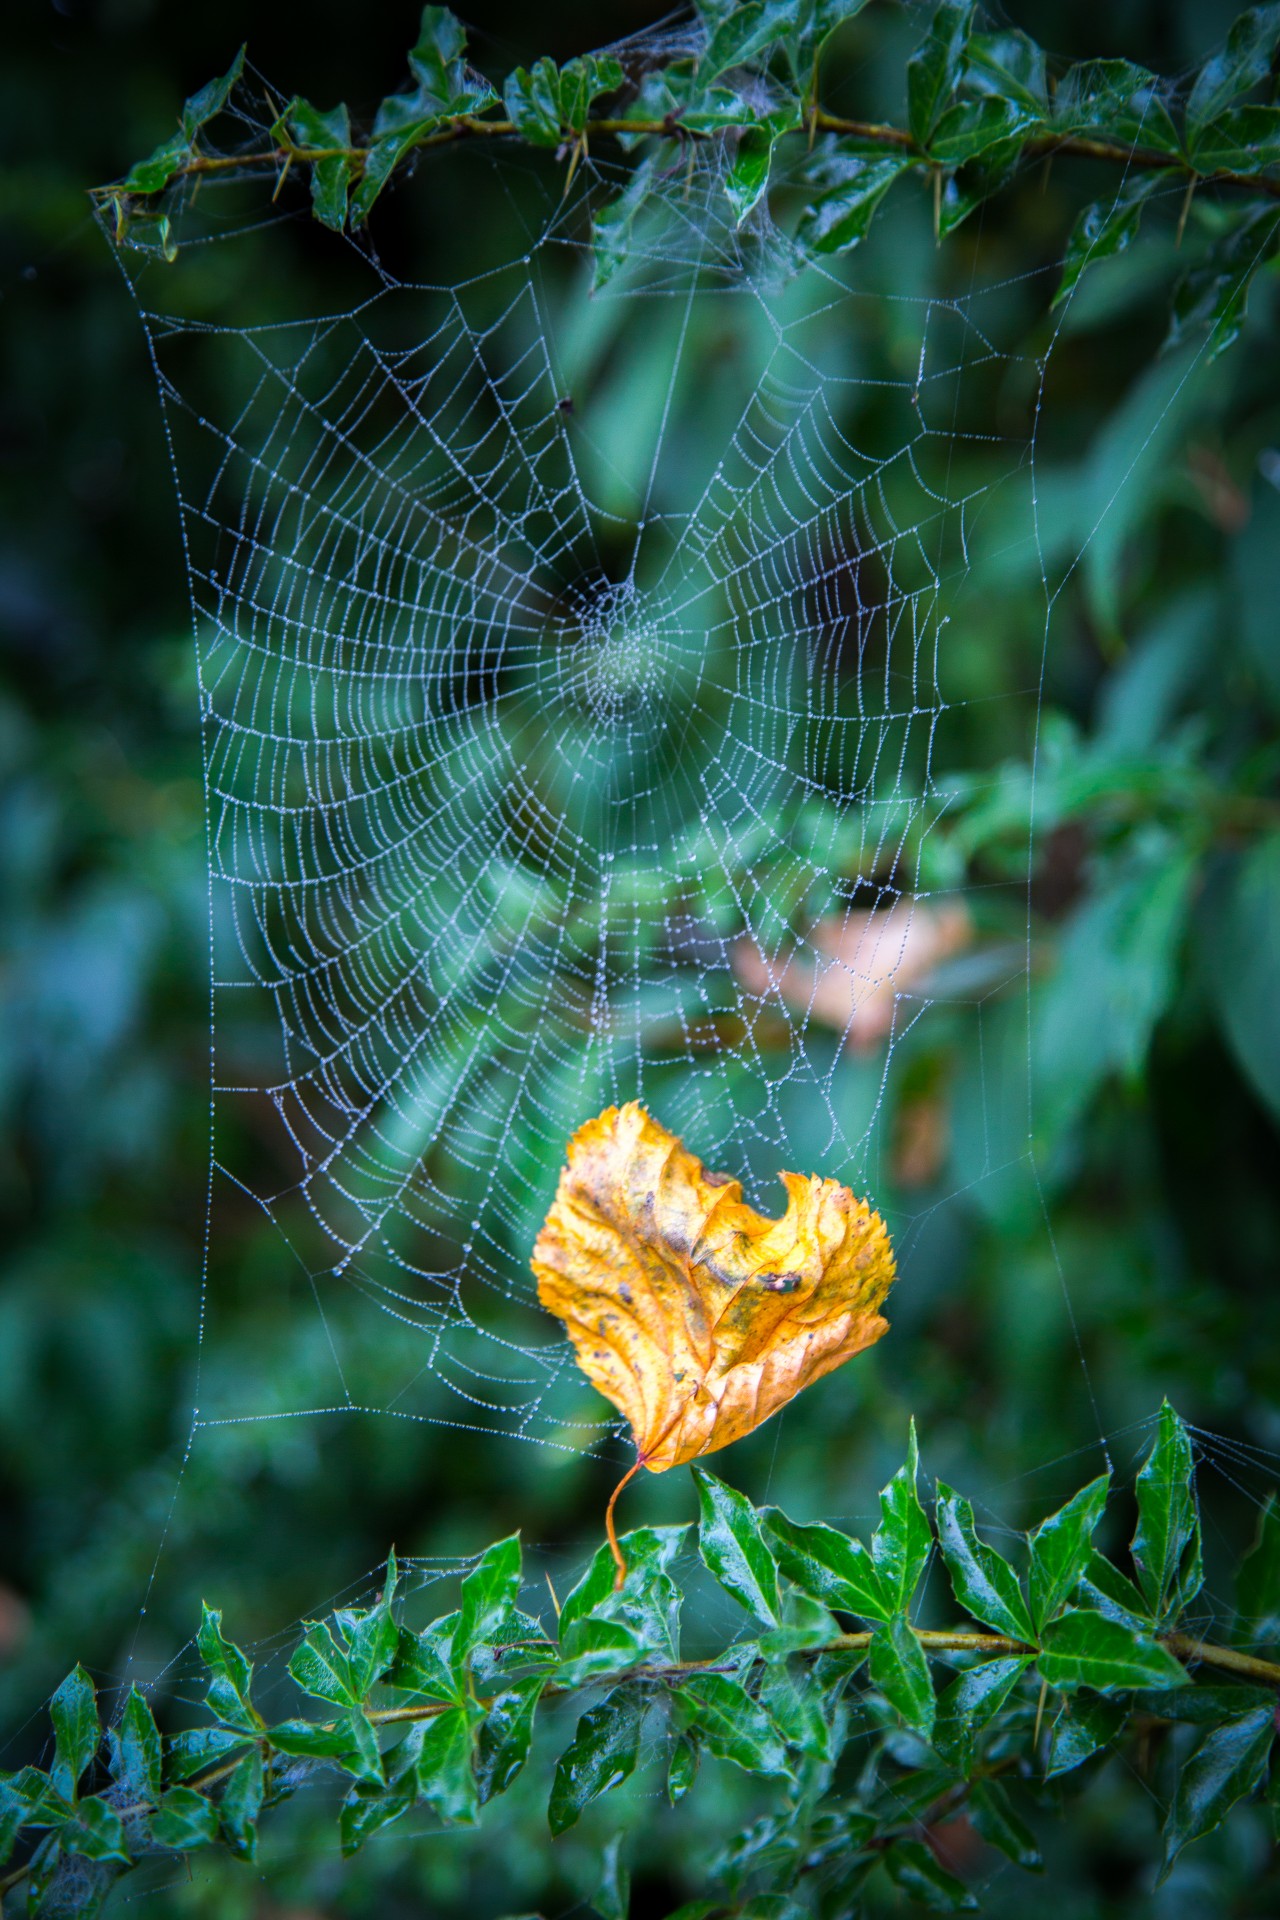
[611, 1531]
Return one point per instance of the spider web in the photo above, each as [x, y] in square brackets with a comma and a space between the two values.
[575, 676]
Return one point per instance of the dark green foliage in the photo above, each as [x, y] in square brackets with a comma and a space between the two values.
[1083, 1683]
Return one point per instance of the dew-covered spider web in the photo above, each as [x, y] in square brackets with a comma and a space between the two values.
[582, 669]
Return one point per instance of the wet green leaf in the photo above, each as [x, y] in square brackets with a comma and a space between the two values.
[74, 1713]
[901, 1671]
[1234, 69]
[602, 1753]
[734, 1549]
[612, 1897]
[1105, 228]
[934, 70]
[321, 1668]
[502, 1745]
[329, 176]
[1060, 1548]
[489, 1593]
[239, 1805]
[829, 1565]
[96, 1832]
[1166, 1544]
[901, 1544]
[1085, 1649]
[445, 1765]
[971, 1702]
[186, 1820]
[730, 1724]
[984, 1584]
[841, 216]
[230, 1671]
[1226, 1766]
[1084, 1726]
[914, 1869]
[1258, 1581]
[139, 1769]
[998, 1821]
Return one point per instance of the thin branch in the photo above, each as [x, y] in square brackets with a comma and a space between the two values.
[875, 132]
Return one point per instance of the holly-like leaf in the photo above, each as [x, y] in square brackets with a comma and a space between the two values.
[914, 1869]
[612, 1897]
[1084, 1727]
[972, 127]
[901, 1671]
[423, 1662]
[1060, 1547]
[13, 1817]
[1010, 65]
[366, 1810]
[841, 216]
[697, 1317]
[901, 1543]
[208, 102]
[1226, 1766]
[1166, 1545]
[190, 1752]
[828, 1565]
[230, 1671]
[743, 33]
[997, 1820]
[648, 1603]
[502, 1746]
[1239, 65]
[1258, 1581]
[331, 174]
[1104, 229]
[1084, 1649]
[96, 1832]
[240, 1804]
[985, 1585]
[445, 1765]
[682, 1769]
[138, 1768]
[602, 1753]
[322, 1669]
[969, 1704]
[934, 70]
[489, 1593]
[734, 1548]
[730, 1724]
[532, 100]
[1103, 1588]
[74, 1713]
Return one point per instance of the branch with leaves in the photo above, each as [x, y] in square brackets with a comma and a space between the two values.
[979, 105]
[1057, 1667]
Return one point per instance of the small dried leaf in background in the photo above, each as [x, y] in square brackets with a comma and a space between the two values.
[855, 965]
[696, 1316]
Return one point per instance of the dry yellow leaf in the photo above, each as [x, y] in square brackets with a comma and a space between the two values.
[695, 1315]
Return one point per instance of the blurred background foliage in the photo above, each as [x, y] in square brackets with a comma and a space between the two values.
[1033, 1314]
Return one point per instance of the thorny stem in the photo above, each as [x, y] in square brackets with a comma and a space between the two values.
[1184, 1646]
[878, 133]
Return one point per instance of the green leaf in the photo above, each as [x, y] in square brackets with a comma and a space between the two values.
[748, 175]
[373, 1641]
[1118, 99]
[321, 1668]
[744, 33]
[423, 1662]
[155, 172]
[975, 182]
[1107, 1591]
[231, 1673]
[971, 1701]
[502, 1746]
[1060, 1547]
[611, 225]
[1011, 66]
[240, 1804]
[682, 1769]
[199, 1747]
[734, 1549]
[993, 1814]
[1104, 229]
[1226, 1766]
[329, 177]
[840, 217]
[445, 1766]
[973, 127]
[901, 1544]
[984, 1584]
[366, 1811]
[1258, 1581]
[532, 101]
[612, 1897]
[901, 1671]
[602, 1753]
[1084, 1649]
[74, 1713]
[13, 1817]
[1241, 140]
[596, 1649]
[914, 1869]
[648, 1605]
[489, 1593]
[1214, 298]
[138, 1751]
[311, 1740]
[1084, 1727]
[724, 1718]
[934, 70]
[828, 1565]
[1238, 66]
[205, 105]
[96, 1831]
[1166, 1545]
[434, 60]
